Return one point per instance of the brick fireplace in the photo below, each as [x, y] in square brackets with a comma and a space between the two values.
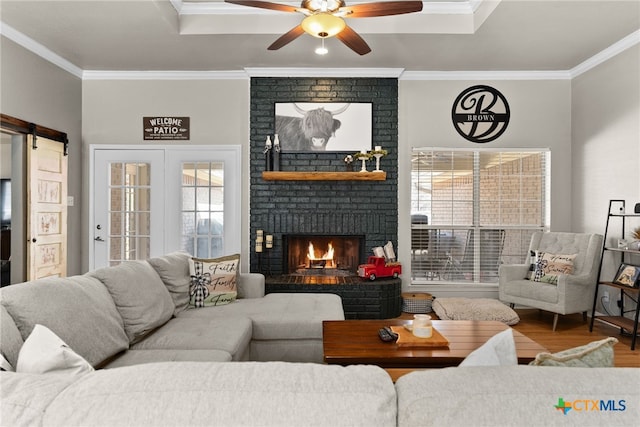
[323, 208]
[365, 213]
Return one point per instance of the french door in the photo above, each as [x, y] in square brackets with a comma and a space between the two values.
[148, 202]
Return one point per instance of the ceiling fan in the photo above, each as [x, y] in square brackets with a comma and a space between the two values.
[324, 18]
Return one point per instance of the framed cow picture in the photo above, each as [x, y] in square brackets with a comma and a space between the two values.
[324, 126]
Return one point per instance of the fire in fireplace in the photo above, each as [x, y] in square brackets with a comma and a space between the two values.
[309, 254]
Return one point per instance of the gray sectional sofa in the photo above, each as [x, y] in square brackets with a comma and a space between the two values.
[138, 312]
[248, 364]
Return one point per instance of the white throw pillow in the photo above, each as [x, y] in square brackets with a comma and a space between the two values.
[44, 352]
[499, 350]
[5, 365]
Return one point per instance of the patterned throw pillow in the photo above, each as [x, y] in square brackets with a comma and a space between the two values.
[213, 281]
[547, 267]
[596, 354]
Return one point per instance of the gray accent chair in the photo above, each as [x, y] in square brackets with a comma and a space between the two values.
[573, 293]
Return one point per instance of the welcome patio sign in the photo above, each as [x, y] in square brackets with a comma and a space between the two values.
[166, 128]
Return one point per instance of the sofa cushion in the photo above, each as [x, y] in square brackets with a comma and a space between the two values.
[295, 316]
[213, 281]
[78, 309]
[173, 269]
[24, 398]
[536, 291]
[229, 394]
[519, 395]
[44, 352]
[279, 316]
[592, 355]
[137, 357]
[140, 296]
[228, 334]
[10, 339]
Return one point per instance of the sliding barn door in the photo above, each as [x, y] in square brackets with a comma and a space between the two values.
[47, 208]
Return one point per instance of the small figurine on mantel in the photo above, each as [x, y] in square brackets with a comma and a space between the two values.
[348, 162]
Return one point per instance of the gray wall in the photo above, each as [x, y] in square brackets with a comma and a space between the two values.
[606, 148]
[540, 118]
[112, 113]
[37, 91]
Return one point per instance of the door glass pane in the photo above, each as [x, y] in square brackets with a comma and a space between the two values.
[129, 212]
[203, 208]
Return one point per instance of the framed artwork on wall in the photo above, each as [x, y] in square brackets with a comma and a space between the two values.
[627, 275]
[324, 126]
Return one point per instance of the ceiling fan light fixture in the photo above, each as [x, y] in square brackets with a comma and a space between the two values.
[322, 25]
[321, 50]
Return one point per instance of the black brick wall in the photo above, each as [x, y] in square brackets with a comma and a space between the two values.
[333, 207]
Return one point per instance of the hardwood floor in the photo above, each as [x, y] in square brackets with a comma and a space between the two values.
[572, 331]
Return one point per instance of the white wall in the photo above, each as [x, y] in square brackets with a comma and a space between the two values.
[606, 147]
[540, 118]
[112, 113]
[35, 90]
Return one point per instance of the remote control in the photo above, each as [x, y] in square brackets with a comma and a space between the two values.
[387, 335]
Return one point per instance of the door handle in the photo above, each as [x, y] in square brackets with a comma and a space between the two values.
[99, 239]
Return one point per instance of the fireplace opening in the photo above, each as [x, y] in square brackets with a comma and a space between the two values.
[311, 254]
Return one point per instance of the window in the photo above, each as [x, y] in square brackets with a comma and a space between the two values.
[473, 210]
[203, 209]
[129, 211]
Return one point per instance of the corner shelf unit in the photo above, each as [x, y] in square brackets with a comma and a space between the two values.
[323, 176]
[622, 322]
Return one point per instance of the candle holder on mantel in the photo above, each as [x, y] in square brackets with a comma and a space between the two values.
[363, 156]
[378, 153]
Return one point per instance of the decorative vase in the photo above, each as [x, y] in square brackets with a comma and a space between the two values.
[276, 153]
[267, 154]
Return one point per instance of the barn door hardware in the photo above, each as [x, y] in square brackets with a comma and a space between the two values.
[34, 137]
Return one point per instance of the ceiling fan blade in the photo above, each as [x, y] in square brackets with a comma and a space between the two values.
[353, 41]
[264, 5]
[368, 10]
[287, 38]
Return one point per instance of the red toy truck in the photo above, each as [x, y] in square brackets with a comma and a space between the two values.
[378, 267]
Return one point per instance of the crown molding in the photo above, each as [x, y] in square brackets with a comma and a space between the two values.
[603, 56]
[45, 53]
[485, 75]
[220, 8]
[38, 49]
[163, 75]
[323, 72]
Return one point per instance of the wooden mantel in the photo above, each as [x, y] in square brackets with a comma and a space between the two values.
[323, 176]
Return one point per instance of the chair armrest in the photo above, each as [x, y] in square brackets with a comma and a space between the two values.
[250, 285]
[576, 280]
[509, 272]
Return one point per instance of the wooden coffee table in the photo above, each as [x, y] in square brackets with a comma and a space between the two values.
[352, 342]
